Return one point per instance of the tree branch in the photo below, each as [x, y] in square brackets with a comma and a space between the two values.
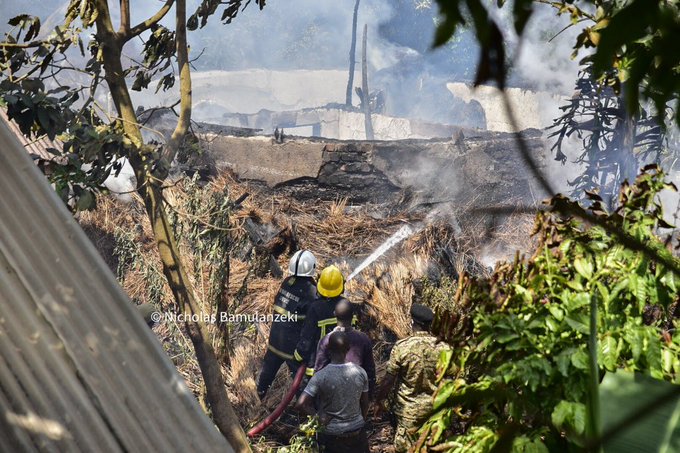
[184, 120]
[124, 17]
[16, 45]
[150, 22]
[523, 148]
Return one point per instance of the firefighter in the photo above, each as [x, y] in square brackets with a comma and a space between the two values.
[320, 316]
[297, 293]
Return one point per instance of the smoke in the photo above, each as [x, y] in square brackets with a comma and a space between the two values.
[123, 184]
[292, 34]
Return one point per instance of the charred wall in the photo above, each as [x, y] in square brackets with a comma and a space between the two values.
[483, 168]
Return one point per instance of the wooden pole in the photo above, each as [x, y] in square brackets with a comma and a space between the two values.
[352, 56]
[368, 124]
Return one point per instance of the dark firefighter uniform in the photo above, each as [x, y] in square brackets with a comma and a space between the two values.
[290, 309]
[320, 321]
[320, 316]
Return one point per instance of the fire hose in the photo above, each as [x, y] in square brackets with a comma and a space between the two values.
[271, 418]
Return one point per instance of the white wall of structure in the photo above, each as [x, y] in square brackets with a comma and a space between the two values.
[533, 109]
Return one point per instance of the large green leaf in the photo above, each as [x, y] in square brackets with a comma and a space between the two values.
[626, 396]
[570, 416]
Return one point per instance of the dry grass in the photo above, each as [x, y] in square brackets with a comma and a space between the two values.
[388, 289]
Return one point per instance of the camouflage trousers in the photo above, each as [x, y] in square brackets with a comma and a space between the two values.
[403, 437]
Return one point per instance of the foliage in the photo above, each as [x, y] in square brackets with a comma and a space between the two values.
[635, 42]
[305, 441]
[615, 144]
[520, 381]
[131, 258]
[202, 224]
[624, 396]
[34, 89]
[32, 92]
[208, 8]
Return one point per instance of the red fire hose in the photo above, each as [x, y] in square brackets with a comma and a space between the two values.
[271, 418]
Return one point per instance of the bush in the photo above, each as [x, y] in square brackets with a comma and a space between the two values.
[520, 379]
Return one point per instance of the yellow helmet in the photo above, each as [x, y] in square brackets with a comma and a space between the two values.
[331, 282]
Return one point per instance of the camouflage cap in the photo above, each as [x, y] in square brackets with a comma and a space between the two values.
[422, 313]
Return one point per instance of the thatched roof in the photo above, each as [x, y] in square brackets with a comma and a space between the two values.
[79, 368]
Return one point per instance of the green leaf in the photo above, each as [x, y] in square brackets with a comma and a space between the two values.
[570, 416]
[623, 394]
[670, 280]
[443, 363]
[556, 311]
[563, 359]
[443, 394]
[609, 353]
[580, 359]
[553, 325]
[524, 444]
[584, 267]
[604, 292]
[524, 293]
[635, 340]
[506, 337]
[580, 322]
[575, 301]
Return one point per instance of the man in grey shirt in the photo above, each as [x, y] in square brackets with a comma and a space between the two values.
[341, 393]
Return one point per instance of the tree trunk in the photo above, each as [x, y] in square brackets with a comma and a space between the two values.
[629, 164]
[368, 124]
[352, 56]
[222, 412]
[150, 188]
[222, 306]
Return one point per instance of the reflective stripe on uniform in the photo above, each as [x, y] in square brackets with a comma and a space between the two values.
[283, 311]
[297, 356]
[323, 323]
[309, 371]
[280, 353]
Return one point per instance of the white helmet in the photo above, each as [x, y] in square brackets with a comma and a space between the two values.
[302, 264]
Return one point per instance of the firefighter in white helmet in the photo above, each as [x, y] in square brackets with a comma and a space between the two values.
[296, 294]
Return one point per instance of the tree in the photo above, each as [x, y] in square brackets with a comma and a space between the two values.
[634, 43]
[515, 385]
[615, 144]
[37, 98]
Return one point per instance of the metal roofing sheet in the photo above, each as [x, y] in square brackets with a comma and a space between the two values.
[36, 147]
[79, 368]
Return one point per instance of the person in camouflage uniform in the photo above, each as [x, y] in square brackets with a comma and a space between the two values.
[412, 368]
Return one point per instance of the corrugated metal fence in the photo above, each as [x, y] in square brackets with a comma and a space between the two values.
[79, 368]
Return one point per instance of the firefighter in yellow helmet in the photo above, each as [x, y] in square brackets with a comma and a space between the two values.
[320, 318]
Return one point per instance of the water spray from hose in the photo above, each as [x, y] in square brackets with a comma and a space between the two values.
[402, 233]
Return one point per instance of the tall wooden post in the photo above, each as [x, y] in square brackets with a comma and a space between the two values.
[368, 124]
